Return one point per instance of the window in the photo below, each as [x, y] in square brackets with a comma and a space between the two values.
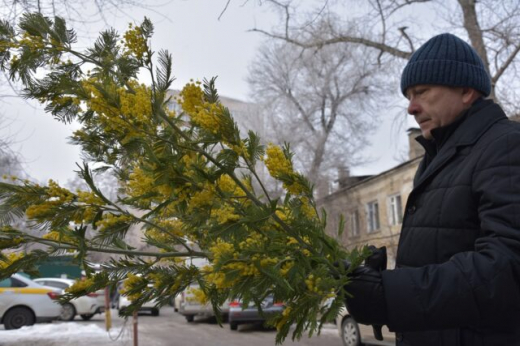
[5, 283]
[373, 216]
[354, 224]
[12, 282]
[395, 214]
[174, 106]
[57, 284]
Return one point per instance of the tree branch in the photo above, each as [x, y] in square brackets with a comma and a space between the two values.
[505, 65]
[340, 39]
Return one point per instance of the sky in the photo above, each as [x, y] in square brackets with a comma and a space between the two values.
[202, 46]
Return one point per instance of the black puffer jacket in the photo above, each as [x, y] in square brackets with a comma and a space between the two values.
[457, 280]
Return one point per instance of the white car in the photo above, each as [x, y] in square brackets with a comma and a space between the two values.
[148, 306]
[151, 306]
[86, 306]
[186, 303]
[354, 334]
[190, 307]
[24, 302]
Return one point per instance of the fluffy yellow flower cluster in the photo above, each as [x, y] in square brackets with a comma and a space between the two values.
[307, 208]
[276, 162]
[108, 220]
[80, 286]
[226, 256]
[135, 42]
[286, 266]
[96, 102]
[285, 317]
[55, 197]
[313, 283]
[123, 111]
[139, 184]
[57, 192]
[198, 295]
[131, 283]
[280, 167]
[40, 211]
[221, 249]
[173, 227]
[57, 236]
[191, 98]
[33, 42]
[255, 240]
[136, 106]
[218, 278]
[224, 214]
[89, 197]
[293, 242]
[207, 117]
[10, 259]
[202, 198]
[226, 184]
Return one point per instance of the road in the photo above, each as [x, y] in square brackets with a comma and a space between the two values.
[168, 329]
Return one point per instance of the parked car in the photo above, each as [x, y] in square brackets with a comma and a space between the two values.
[186, 304]
[354, 334]
[239, 314]
[86, 307]
[190, 307]
[151, 306]
[177, 302]
[24, 302]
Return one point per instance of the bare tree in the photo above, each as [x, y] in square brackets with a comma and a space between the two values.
[390, 28]
[76, 11]
[322, 101]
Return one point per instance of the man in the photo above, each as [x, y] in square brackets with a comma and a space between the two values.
[457, 276]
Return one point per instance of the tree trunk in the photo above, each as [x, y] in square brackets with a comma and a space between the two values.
[475, 35]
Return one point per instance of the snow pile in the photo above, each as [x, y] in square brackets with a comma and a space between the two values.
[60, 334]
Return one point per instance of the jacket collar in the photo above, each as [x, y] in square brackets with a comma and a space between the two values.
[476, 121]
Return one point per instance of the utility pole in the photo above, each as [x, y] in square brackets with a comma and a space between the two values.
[134, 322]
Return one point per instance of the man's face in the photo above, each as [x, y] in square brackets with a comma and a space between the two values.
[434, 106]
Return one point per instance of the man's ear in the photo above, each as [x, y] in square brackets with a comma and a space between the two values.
[469, 95]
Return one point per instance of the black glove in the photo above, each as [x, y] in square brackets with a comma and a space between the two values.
[366, 302]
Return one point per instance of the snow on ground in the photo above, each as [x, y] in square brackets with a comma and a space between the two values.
[54, 334]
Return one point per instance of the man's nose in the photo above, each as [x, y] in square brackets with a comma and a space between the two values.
[413, 107]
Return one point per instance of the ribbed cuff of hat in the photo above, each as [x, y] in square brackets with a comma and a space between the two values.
[446, 60]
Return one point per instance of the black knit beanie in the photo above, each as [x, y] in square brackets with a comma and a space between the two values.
[446, 60]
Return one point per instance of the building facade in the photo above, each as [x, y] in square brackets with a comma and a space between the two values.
[372, 206]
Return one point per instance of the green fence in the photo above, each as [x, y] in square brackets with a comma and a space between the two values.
[60, 267]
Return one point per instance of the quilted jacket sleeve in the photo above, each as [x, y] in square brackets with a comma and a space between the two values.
[477, 288]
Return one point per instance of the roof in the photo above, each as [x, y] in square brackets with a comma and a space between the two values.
[372, 178]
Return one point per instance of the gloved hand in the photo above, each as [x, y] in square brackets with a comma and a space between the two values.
[366, 302]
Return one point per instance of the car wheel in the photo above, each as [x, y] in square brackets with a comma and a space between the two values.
[189, 318]
[86, 317]
[350, 332]
[68, 312]
[18, 317]
[155, 312]
[233, 325]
